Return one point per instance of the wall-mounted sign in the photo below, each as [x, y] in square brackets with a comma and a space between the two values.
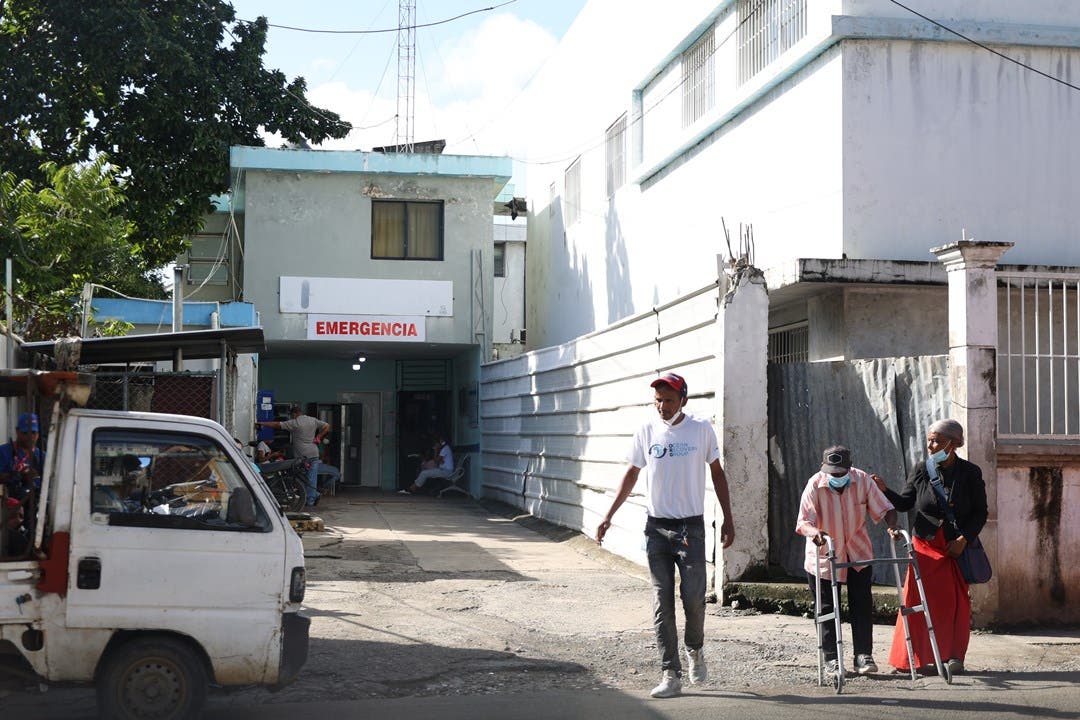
[382, 328]
[356, 296]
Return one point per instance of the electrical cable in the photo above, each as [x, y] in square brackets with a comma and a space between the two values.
[987, 48]
[385, 30]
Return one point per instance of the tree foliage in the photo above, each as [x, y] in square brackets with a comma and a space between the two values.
[164, 87]
[70, 232]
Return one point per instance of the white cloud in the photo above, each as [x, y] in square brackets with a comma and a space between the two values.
[461, 89]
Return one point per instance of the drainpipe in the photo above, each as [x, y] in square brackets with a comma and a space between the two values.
[178, 314]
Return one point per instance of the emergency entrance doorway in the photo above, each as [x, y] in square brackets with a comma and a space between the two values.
[355, 438]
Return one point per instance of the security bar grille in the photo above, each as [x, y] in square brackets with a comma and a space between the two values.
[698, 78]
[767, 29]
[789, 344]
[1038, 366]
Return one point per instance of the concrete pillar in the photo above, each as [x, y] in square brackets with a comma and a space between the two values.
[973, 337]
[742, 420]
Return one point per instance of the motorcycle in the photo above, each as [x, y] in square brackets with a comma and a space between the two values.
[287, 480]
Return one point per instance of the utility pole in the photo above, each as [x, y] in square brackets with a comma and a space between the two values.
[406, 69]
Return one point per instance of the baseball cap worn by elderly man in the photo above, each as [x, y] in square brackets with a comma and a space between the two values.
[28, 423]
[836, 459]
[675, 382]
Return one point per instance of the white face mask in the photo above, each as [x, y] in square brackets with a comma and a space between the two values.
[674, 419]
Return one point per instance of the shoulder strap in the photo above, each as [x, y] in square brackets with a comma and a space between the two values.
[939, 493]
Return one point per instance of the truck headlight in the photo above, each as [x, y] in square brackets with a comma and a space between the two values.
[297, 585]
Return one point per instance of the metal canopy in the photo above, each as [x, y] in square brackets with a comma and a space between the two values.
[193, 344]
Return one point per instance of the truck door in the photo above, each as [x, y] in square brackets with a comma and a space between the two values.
[167, 533]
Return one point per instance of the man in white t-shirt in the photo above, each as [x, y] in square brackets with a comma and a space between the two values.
[673, 447]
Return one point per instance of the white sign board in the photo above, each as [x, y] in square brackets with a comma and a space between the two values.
[365, 296]
[382, 328]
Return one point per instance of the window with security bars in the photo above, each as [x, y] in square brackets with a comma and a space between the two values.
[615, 144]
[500, 259]
[698, 80]
[572, 199]
[406, 230]
[789, 344]
[767, 28]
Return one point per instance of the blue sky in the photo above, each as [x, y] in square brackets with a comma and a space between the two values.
[467, 71]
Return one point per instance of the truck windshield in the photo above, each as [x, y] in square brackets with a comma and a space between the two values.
[167, 479]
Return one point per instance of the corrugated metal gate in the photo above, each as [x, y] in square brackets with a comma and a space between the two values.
[880, 408]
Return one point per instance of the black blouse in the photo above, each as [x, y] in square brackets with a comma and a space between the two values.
[967, 497]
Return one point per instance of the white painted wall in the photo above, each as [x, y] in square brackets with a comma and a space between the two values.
[877, 136]
[508, 303]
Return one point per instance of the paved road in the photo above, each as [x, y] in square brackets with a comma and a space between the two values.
[425, 609]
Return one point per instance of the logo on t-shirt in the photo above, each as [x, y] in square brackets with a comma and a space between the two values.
[680, 449]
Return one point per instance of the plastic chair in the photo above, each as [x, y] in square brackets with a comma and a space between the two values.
[457, 479]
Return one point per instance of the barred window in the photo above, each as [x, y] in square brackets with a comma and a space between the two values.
[767, 28]
[572, 199]
[404, 230]
[698, 84]
[500, 259]
[616, 155]
[789, 343]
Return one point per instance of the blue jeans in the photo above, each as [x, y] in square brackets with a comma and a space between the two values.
[313, 481]
[672, 544]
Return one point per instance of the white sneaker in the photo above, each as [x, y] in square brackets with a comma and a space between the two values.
[695, 659]
[670, 685]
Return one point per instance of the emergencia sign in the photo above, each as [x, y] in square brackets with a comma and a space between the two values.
[383, 328]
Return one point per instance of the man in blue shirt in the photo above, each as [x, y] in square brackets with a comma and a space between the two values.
[21, 460]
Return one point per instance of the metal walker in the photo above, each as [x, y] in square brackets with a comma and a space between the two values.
[897, 563]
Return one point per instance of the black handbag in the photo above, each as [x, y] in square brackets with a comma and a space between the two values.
[974, 564]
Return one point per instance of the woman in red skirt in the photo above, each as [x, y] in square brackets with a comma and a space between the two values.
[937, 545]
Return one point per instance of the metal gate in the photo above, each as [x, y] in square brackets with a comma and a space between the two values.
[879, 408]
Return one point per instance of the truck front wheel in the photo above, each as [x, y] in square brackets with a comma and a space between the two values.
[152, 678]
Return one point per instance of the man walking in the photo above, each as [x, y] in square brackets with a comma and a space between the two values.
[306, 434]
[673, 446]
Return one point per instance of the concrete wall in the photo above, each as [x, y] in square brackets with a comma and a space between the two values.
[877, 136]
[1038, 535]
[319, 225]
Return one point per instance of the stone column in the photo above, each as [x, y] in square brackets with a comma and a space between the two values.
[973, 337]
[741, 420]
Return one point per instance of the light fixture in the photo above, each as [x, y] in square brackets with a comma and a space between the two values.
[357, 362]
[356, 366]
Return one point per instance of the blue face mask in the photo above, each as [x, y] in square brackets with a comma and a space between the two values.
[940, 456]
[839, 483]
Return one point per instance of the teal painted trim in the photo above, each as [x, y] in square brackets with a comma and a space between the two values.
[846, 27]
[476, 166]
[690, 38]
[159, 312]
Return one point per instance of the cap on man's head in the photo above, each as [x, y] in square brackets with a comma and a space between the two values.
[675, 382]
[836, 459]
[28, 423]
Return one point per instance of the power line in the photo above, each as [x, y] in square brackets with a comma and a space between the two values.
[385, 30]
[987, 48]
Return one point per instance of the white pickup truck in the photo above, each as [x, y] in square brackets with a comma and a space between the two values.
[158, 563]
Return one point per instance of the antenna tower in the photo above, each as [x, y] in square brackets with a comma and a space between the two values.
[406, 72]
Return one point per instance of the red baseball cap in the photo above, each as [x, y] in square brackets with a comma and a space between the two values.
[12, 503]
[675, 382]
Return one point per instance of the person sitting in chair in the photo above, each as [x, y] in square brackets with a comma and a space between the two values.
[442, 466]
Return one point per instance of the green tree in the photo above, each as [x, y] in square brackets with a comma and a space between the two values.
[164, 87]
[61, 236]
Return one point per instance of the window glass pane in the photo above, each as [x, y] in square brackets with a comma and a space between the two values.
[500, 259]
[387, 229]
[424, 228]
[172, 480]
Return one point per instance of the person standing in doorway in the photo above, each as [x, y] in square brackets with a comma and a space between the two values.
[306, 434]
[672, 447]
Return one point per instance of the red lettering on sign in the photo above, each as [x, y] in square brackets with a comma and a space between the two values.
[320, 328]
[412, 330]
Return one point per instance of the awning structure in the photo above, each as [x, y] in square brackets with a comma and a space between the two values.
[192, 344]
